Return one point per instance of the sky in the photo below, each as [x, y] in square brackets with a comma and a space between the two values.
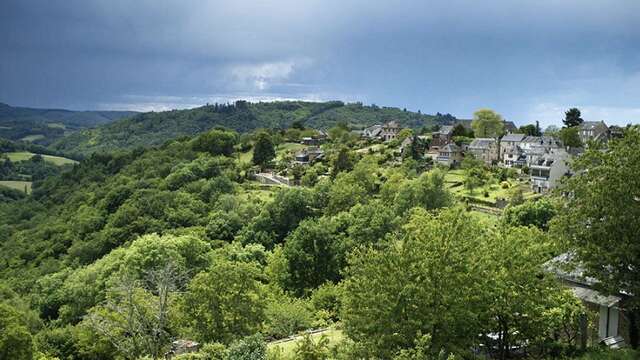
[528, 60]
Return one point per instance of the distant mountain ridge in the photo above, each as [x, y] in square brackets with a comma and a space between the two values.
[155, 128]
[44, 126]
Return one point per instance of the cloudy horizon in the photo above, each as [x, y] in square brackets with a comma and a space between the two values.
[528, 60]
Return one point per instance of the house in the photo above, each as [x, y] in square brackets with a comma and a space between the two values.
[510, 127]
[180, 347]
[441, 137]
[390, 130]
[534, 147]
[311, 140]
[372, 132]
[547, 171]
[510, 152]
[450, 155]
[485, 149]
[593, 131]
[616, 132]
[612, 319]
[309, 155]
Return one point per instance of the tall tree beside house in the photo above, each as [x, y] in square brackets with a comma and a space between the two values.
[601, 220]
[570, 137]
[487, 123]
[531, 130]
[263, 151]
[572, 118]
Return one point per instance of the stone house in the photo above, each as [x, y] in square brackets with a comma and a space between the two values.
[485, 149]
[593, 131]
[390, 130]
[441, 137]
[450, 155]
[510, 152]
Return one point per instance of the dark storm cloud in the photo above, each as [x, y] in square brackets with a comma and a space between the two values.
[526, 59]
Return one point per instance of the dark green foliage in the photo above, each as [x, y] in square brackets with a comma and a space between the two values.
[572, 118]
[570, 136]
[216, 142]
[155, 128]
[531, 213]
[531, 130]
[51, 124]
[263, 150]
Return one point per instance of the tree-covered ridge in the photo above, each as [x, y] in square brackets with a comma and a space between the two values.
[44, 126]
[154, 128]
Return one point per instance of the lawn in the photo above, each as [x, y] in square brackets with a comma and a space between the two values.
[24, 155]
[287, 348]
[18, 185]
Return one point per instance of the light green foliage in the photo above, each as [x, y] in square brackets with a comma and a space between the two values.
[224, 302]
[531, 213]
[286, 316]
[450, 277]
[487, 123]
[427, 191]
[601, 218]
[309, 349]
[15, 339]
[250, 348]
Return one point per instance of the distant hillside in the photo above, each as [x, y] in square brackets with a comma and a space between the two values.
[44, 126]
[155, 128]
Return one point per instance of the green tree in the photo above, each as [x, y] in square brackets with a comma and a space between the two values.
[342, 161]
[249, 348]
[531, 213]
[216, 142]
[15, 338]
[601, 218]
[487, 123]
[531, 130]
[224, 302]
[310, 251]
[263, 150]
[572, 118]
[393, 295]
[570, 136]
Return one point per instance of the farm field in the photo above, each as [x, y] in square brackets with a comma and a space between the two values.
[24, 155]
[18, 185]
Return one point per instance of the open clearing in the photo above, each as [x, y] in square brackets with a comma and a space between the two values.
[24, 155]
[287, 348]
[18, 185]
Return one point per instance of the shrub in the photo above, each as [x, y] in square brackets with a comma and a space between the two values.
[250, 348]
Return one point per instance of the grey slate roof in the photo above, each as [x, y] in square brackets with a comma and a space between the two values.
[481, 143]
[513, 137]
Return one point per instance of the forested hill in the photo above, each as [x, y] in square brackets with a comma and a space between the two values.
[44, 126]
[154, 128]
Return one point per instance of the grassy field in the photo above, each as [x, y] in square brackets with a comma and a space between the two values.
[24, 155]
[56, 126]
[18, 185]
[287, 349]
[31, 138]
[454, 178]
